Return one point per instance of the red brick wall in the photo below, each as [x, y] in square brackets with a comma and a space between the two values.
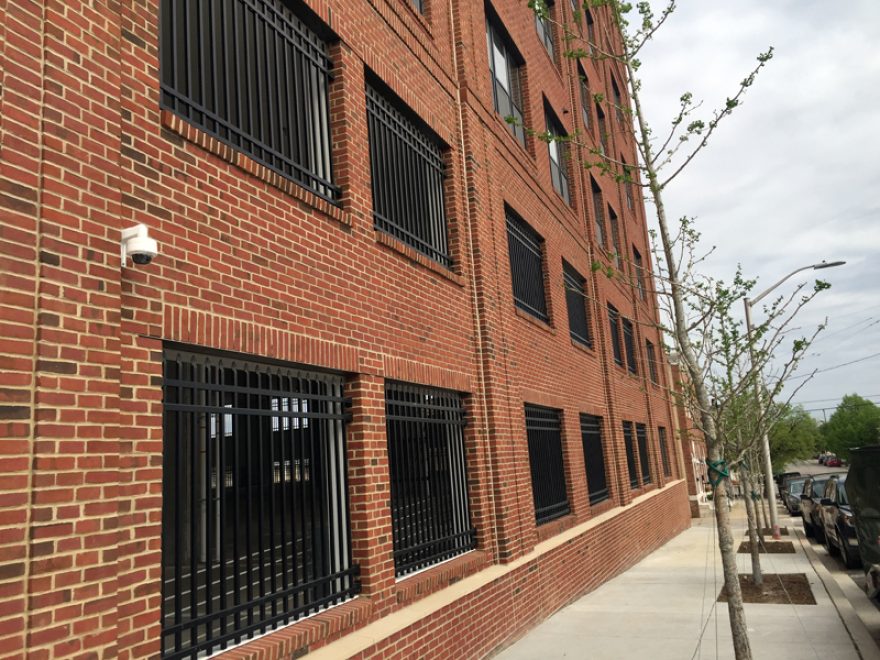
[253, 263]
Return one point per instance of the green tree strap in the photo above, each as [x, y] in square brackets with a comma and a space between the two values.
[719, 468]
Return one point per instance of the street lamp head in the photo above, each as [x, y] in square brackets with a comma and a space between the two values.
[825, 264]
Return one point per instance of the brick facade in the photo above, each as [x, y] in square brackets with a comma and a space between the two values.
[253, 263]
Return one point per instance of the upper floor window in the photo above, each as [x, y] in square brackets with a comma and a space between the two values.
[558, 150]
[419, 5]
[618, 101]
[644, 459]
[652, 361]
[545, 29]
[406, 166]
[591, 30]
[614, 327]
[629, 344]
[253, 75]
[639, 267]
[526, 267]
[614, 230]
[586, 98]
[598, 211]
[603, 130]
[664, 451]
[628, 181]
[576, 301]
[505, 68]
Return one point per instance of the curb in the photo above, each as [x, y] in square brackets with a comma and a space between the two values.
[858, 632]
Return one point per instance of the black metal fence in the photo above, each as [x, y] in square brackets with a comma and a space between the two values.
[406, 166]
[544, 431]
[255, 524]
[526, 267]
[628, 442]
[644, 458]
[429, 499]
[253, 75]
[594, 458]
[664, 451]
[576, 301]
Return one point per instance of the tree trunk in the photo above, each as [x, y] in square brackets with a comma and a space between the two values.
[764, 509]
[755, 548]
[756, 489]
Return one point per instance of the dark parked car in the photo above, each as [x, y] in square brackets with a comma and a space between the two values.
[814, 487]
[863, 484]
[792, 488]
[838, 524]
[780, 481]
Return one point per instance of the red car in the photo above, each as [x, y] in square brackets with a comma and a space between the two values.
[833, 461]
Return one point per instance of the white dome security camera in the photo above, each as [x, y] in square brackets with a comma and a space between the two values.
[135, 241]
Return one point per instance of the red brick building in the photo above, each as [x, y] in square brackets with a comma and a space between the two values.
[369, 398]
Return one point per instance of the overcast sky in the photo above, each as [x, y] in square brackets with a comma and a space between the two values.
[793, 177]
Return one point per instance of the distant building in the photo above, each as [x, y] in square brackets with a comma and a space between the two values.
[693, 444]
[371, 358]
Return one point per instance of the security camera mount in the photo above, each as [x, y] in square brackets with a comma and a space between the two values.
[135, 241]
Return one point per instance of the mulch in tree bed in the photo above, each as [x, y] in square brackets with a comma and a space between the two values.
[778, 589]
[769, 532]
[769, 547]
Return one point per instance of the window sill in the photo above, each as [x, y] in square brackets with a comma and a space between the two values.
[589, 350]
[416, 15]
[533, 319]
[556, 526]
[411, 588]
[521, 145]
[415, 256]
[601, 507]
[200, 138]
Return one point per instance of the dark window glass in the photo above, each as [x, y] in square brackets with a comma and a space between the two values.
[544, 431]
[406, 166]
[644, 459]
[639, 266]
[614, 327]
[545, 30]
[664, 451]
[603, 130]
[426, 458]
[419, 5]
[253, 75]
[598, 212]
[594, 458]
[505, 69]
[255, 522]
[576, 301]
[526, 267]
[614, 230]
[631, 468]
[629, 345]
[558, 150]
[591, 30]
[618, 102]
[586, 98]
[628, 183]
[652, 361]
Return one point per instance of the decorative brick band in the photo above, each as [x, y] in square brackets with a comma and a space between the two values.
[424, 374]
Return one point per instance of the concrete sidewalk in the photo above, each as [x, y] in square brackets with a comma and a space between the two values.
[664, 608]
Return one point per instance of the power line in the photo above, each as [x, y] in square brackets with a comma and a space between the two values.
[834, 398]
[851, 405]
[837, 366]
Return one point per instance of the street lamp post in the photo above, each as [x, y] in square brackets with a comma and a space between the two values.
[765, 438]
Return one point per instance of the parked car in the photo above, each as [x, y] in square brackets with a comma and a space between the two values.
[833, 461]
[792, 488]
[863, 487]
[814, 487]
[838, 524]
[780, 478]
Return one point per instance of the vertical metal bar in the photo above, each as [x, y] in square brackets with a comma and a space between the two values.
[193, 513]
[179, 478]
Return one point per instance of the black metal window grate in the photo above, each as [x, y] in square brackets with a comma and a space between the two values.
[594, 458]
[545, 30]
[652, 361]
[614, 230]
[429, 499]
[406, 165]
[644, 459]
[544, 431]
[253, 75]
[255, 523]
[525, 246]
[586, 97]
[578, 307]
[664, 451]
[629, 344]
[505, 69]
[639, 268]
[598, 211]
[628, 442]
[614, 328]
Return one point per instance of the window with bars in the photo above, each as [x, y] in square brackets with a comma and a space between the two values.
[639, 267]
[614, 230]
[557, 148]
[664, 451]
[545, 29]
[544, 433]
[629, 344]
[505, 67]
[526, 248]
[253, 75]
[629, 447]
[594, 458]
[586, 97]
[255, 523]
[614, 327]
[652, 361]
[426, 456]
[603, 130]
[406, 166]
[598, 212]
[644, 459]
[578, 305]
